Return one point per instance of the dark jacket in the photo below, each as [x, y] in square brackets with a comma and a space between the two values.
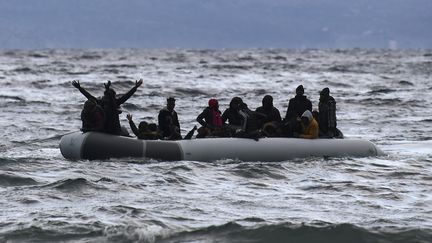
[111, 108]
[168, 122]
[250, 120]
[297, 106]
[233, 117]
[206, 118]
[92, 117]
[272, 115]
[327, 115]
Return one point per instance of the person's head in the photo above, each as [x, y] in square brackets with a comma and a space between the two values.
[300, 90]
[213, 104]
[110, 93]
[170, 103]
[325, 93]
[267, 101]
[143, 126]
[306, 117]
[89, 105]
[235, 103]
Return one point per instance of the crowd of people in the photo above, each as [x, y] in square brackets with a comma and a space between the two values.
[300, 121]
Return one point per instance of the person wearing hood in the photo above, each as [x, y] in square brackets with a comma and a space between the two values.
[327, 114]
[92, 117]
[211, 120]
[250, 127]
[211, 116]
[232, 115]
[271, 113]
[110, 105]
[309, 126]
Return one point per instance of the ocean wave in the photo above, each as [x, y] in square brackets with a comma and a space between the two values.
[15, 180]
[74, 185]
[287, 232]
[382, 91]
[153, 231]
[190, 92]
[257, 171]
[406, 83]
[40, 234]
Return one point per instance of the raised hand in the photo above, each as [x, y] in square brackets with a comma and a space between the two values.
[138, 83]
[107, 85]
[129, 117]
[76, 84]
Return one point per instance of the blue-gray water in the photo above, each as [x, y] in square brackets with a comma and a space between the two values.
[383, 96]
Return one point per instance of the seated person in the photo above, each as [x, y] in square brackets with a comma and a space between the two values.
[211, 121]
[92, 117]
[168, 121]
[327, 115]
[232, 115]
[250, 127]
[272, 113]
[296, 107]
[144, 131]
[309, 126]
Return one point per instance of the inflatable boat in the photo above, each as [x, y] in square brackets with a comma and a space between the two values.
[93, 145]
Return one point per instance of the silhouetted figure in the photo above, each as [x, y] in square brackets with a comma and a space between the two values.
[144, 130]
[92, 117]
[232, 114]
[250, 127]
[296, 107]
[168, 121]
[211, 116]
[327, 114]
[211, 121]
[271, 113]
[110, 105]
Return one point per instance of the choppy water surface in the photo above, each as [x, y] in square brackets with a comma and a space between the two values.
[383, 96]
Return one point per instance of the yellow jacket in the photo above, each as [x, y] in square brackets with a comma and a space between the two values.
[311, 131]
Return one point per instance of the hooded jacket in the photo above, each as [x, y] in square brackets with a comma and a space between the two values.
[311, 131]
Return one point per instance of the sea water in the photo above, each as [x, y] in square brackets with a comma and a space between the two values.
[384, 96]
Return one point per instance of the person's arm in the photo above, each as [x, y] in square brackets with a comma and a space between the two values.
[201, 118]
[90, 97]
[176, 120]
[278, 117]
[132, 125]
[309, 105]
[332, 115]
[290, 111]
[126, 96]
[163, 122]
[226, 115]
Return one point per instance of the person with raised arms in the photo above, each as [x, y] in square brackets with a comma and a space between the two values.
[110, 105]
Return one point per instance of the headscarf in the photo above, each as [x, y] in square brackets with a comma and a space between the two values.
[213, 103]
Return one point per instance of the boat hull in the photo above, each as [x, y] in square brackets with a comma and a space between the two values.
[92, 145]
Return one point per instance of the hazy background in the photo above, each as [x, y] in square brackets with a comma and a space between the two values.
[391, 24]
